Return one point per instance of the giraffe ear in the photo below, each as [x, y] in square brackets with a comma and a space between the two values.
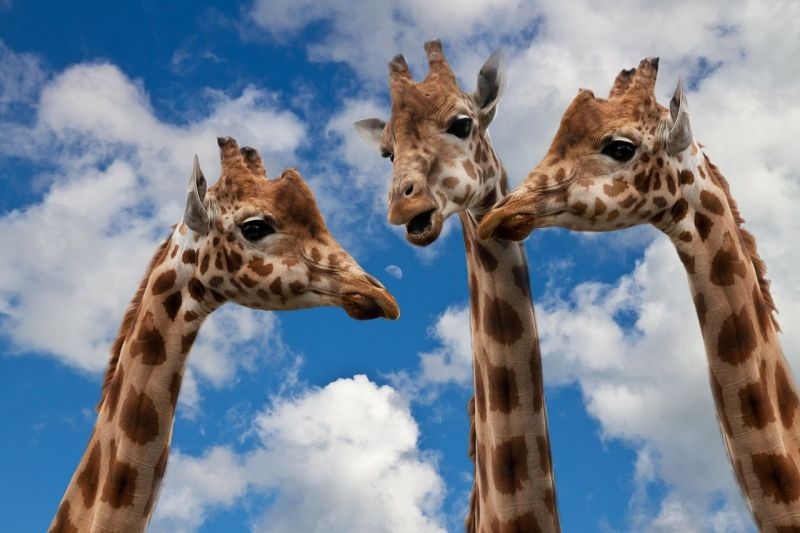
[680, 135]
[195, 215]
[371, 129]
[491, 84]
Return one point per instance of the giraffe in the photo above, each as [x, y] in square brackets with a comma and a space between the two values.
[627, 160]
[444, 163]
[257, 242]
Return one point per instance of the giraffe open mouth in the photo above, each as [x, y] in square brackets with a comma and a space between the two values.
[424, 228]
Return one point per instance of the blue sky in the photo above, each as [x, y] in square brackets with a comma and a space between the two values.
[101, 110]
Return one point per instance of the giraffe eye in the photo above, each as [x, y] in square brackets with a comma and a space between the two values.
[460, 127]
[389, 155]
[620, 150]
[254, 229]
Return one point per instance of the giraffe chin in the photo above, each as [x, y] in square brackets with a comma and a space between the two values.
[424, 228]
[506, 224]
[514, 228]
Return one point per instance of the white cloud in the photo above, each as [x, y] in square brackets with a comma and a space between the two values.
[194, 486]
[20, 75]
[346, 455]
[114, 185]
[451, 361]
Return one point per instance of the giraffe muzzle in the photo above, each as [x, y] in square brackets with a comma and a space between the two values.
[367, 305]
[512, 219]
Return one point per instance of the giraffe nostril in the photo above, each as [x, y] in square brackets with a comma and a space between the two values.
[409, 190]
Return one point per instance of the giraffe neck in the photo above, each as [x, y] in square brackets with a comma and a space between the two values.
[514, 488]
[754, 392]
[116, 483]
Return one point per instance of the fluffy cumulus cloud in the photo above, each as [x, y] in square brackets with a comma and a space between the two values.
[451, 361]
[346, 455]
[112, 183]
[633, 345]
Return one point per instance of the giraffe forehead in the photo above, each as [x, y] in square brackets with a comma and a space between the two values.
[427, 102]
[287, 199]
[590, 120]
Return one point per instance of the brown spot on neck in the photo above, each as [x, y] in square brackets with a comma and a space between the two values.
[711, 202]
[480, 392]
[189, 257]
[688, 262]
[679, 209]
[762, 313]
[785, 395]
[113, 391]
[501, 321]
[149, 343]
[778, 476]
[686, 177]
[196, 289]
[172, 304]
[502, 387]
[475, 301]
[754, 402]
[164, 282]
[703, 225]
[700, 307]
[485, 258]
[737, 338]
[727, 265]
[138, 417]
[88, 479]
[119, 489]
[510, 465]
[522, 279]
[187, 340]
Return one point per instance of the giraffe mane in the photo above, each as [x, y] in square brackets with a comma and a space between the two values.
[748, 243]
[128, 321]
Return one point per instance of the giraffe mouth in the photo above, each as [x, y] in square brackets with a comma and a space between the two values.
[362, 307]
[512, 219]
[424, 228]
[369, 299]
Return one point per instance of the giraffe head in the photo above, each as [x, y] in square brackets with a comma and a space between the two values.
[613, 163]
[262, 243]
[438, 143]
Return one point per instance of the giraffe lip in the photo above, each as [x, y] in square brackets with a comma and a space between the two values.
[424, 228]
[510, 220]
